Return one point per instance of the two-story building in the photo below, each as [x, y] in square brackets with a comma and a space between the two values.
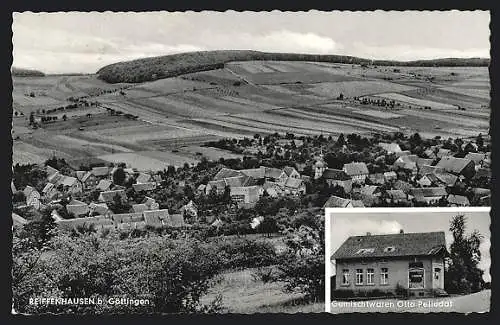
[410, 261]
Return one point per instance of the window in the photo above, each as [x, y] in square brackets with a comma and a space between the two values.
[437, 273]
[359, 276]
[365, 250]
[384, 275]
[369, 276]
[345, 277]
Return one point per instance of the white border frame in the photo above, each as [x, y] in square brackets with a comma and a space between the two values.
[329, 211]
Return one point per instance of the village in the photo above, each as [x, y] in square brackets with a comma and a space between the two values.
[384, 170]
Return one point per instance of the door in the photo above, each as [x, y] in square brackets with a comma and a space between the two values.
[437, 277]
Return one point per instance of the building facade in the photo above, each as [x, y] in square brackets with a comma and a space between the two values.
[390, 263]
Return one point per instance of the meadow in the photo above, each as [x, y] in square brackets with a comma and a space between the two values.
[176, 115]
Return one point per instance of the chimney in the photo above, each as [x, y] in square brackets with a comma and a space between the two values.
[401, 231]
[368, 233]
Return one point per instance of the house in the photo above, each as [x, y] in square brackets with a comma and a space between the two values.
[428, 194]
[337, 177]
[139, 207]
[476, 157]
[458, 200]
[428, 169]
[18, 221]
[70, 184]
[78, 210]
[144, 187]
[89, 180]
[100, 172]
[414, 261]
[370, 194]
[482, 172]
[402, 185]
[49, 191]
[445, 179]
[98, 208]
[295, 186]
[144, 178]
[397, 196]
[190, 210]
[357, 170]
[425, 180]
[291, 172]
[443, 153]
[481, 193]
[402, 153]
[225, 173]
[378, 178]
[338, 202]
[157, 218]
[50, 170]
[245, 194]
[55, 178]
[457, 166]
[390, 147]
[201, 188]
[218, 185]
[390, 176]
[127, 217]
[319, 167]
[108, 196]
[32, 197]
[408, 162]
[104, 185]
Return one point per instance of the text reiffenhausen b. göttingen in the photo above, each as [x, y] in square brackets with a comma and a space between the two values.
[88, 301]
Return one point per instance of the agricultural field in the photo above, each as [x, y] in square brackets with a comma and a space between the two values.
[176, 116]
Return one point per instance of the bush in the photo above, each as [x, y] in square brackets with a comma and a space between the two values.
[343, 294]
[401, 291]
[239, 254]
[264, 274]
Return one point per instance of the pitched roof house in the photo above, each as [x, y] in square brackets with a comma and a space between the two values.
[458, 166]
[108, 196]
[100, 171]
[337, 177]
[390, 147]
[78, 209]
[337, 202]
[458, 200]
[414, 261]
[144, 187]
[428, 194]
[357, 170]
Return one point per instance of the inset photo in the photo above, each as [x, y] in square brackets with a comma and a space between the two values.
[415, 260]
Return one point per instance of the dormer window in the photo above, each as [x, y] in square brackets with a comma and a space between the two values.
[389, 249]
[365, 250]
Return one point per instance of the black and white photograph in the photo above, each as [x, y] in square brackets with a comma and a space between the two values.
[181, 162]
[417, 260]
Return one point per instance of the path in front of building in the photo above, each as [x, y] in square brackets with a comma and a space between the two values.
[478, 302]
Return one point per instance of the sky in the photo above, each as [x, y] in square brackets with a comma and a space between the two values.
[344, 225]
[84, 42]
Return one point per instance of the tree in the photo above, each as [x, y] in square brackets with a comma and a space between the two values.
[268, 226]
[303, 263]
[32, 118]
[463, 275]
[64, 117]
[119, 176]
[340, 141]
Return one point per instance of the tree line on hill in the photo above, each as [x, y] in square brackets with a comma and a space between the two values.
[150, 69]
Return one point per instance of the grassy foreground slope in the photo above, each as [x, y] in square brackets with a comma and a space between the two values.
[149, 69]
